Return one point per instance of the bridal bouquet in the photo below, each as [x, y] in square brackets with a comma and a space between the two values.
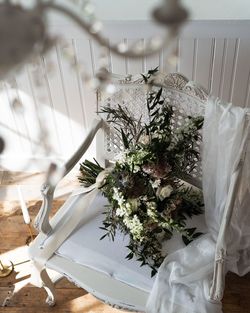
[148, 199]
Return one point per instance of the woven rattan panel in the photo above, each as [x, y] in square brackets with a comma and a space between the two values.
[186, 98]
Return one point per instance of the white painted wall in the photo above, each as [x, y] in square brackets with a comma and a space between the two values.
[200, 9]
[122, 10]
[215, 53]
[218, 9]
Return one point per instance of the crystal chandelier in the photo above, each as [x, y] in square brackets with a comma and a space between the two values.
[24, 34]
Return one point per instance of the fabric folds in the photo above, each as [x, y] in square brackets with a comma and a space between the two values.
[191, 280]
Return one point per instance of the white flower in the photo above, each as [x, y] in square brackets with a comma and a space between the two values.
[151, 210]
[118, 196]
[121, 157]
[135, 227]
[136, 169]
[144, 198]
[156, 183]
[133, 204]
[125, 209]
[164, 192]
[121, 211]
[151, 205]
[144, 139]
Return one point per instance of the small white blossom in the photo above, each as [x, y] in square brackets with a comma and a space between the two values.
[118, 196]
[133, 204]
[156, 183]
[121, 157]
[164, 192]
[125, 209]
[135, 227]
[121, 211]
[151, 205]
[136, 169]
[151, 210]
[144, 139]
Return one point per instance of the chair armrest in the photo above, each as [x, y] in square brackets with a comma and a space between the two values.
[56, 173]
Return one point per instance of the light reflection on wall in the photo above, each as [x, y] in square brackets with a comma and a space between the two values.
[20, 127]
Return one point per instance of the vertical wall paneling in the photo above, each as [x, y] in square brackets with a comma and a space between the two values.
[20, 115]
[223, 65]
[79, 84]
[247, 93]
[161, 60]
[235, 62]
[135, 66]
[9, 126]
[178, 56]
[187, 57]
[69, 74]
[110, 65]
[16, 121]
[216, 66]
[211, 67]
[241, 75]
[194, 67]
[97, 53]
[230, 50]
[203, 60]
[53, 125]
[169, 64]
[125, 41]
[92, 59]
[85, 58]
[41, 91]
[58, 94]
[22, 89]
[119, 65]
[152, 61]
[213, 53]
[144, 61]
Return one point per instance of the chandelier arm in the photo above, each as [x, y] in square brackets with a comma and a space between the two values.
[133, 52]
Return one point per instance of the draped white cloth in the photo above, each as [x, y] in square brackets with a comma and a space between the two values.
[190, 277]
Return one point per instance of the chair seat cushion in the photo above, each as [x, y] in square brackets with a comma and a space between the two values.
[109, 257]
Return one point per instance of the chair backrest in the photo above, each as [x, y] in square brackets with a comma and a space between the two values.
[186, 97]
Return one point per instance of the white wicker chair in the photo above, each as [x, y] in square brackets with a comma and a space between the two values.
[116, 288]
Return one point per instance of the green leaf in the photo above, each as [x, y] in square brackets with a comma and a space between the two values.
[104, 236]
[130, 256]
[144, 78]
[156, 100]
[186, 240]
[191, 231]
[103, 228]
[153, 272]
[196, 235]
[153, 71]
[125, 140]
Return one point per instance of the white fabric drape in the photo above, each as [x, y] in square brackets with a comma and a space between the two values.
[184, 280]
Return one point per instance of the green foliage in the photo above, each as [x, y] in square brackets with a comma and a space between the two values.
[89, 171]
[148, 200]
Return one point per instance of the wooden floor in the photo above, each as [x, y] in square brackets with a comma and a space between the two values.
[18, 295]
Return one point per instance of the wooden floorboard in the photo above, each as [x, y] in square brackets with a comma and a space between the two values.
[20, 296]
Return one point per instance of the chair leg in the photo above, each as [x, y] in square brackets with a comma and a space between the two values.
[49, 288]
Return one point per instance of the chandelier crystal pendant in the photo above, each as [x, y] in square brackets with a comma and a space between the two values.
[22, 34]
